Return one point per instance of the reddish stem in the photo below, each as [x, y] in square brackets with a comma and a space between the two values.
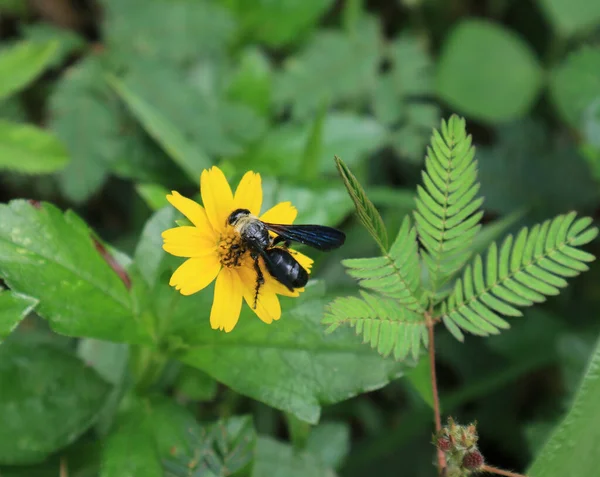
[441, 458]
[495, 470]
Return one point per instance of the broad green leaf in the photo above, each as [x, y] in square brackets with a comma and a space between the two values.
[22, 62]
[308, 200]
[529, 169]
[190, 159]
[334, 67]
[154, 195]
[28, 149]
[13, 308]
[575, 84]
[366, 211]
[187, 447]
[330, 443]
[277, 23]
[53, 257]
[251, 83]
[488, 72]
[574, 440]
[93, 143]
[347, 135]
[48, 398]
[170, 33]
[398, 97]
[189, 120]
[68, 41]
[130, 450]
[289, 365]
[571, 16]
[274, 458]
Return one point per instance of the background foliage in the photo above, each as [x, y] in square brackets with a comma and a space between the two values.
[106, 105]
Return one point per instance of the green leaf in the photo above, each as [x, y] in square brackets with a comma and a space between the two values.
[53, 257]
[346, 135]
[13, 308]
[290, 370]
[573, 441]
[544, 174]
[330, 443]
[334, 67]
[169, 33]
[277, 24]
[447, 215]
[28, 149]
[48, 398]
[488, 72]
[189, 158]
[419, 378]
[23, 62]
[570, 17]
[399, 98]
[366, 211]
[196, 385]
[154, 195]
[313, 149]
[575, 84]
[251, 83]
[307, 200]
[130, 449]
[68, 41]
[275, 458]
[94, 143]
[187, 448]
[527, 269]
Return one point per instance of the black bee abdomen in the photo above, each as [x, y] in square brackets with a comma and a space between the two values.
[284, 267]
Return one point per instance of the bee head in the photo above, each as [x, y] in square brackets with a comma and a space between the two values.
[236, 215]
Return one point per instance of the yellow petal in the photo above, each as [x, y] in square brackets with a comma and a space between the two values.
[227, 302]
[216, 197]
[195, 274]
[268, 307]
[305, 261]
[248, 194]
[192, 210]
[282, 213]
[189, 242]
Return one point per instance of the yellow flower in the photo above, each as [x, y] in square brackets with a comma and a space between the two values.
[207, 245]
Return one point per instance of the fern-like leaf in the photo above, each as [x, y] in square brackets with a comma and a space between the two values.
[387, 327]
[365, 210]
[396, 274]
[448, 214]
[390, 314]
[523, 271]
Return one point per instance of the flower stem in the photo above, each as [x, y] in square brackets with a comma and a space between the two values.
[436, 398]
[495, 470]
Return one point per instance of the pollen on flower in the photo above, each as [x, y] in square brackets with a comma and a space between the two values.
[231, 250]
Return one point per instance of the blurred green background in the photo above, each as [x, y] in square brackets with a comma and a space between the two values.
[105, 105]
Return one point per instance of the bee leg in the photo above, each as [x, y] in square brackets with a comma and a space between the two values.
[260, 280]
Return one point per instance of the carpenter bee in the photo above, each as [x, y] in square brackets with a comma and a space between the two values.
[279, 262]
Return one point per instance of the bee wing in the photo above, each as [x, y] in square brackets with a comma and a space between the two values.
[320, 237]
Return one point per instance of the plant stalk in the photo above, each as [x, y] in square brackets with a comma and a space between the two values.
[436, 397]
[495, 470]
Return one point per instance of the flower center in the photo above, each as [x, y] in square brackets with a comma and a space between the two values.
[231, 250]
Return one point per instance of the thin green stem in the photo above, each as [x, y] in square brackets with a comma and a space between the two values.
[436, 397]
